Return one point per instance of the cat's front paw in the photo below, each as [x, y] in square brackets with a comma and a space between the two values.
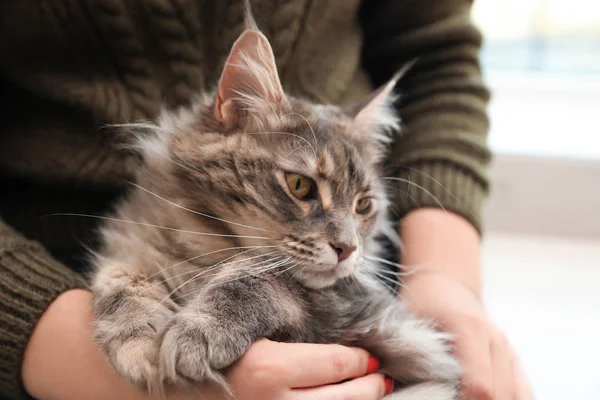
[131, 353]
[128, 339]
[195, 348]
[136, 361]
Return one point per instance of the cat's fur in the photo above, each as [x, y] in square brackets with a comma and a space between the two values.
[210, 251]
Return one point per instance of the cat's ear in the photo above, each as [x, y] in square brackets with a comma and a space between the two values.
[249, 83]
[376, 115]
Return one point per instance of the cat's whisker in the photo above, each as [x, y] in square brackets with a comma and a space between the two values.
[285, 133]
[197, 212]
[222, 264]
[245, 270]
[392, 289]
[293, 151]
[203, 255]
[301, 270]
[383, 260]
[210, 268]
[228, 273]
[353, 279]
[383, 279]
[392, 272]
[263, 269]
[410, 270]
[239, 276]
[384, 275]
[204, 271]
[398, 284]
[439, 203]
[443, 187]
[287, 269]
[233, 270]
[307, 123]
[155, 226]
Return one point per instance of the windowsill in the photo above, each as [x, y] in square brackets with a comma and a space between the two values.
[546, 141]
[544, 196]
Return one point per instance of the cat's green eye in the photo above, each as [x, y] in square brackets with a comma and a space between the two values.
[363, 205]
[299, 185]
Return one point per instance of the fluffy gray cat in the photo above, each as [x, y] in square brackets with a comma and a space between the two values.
[254, 215]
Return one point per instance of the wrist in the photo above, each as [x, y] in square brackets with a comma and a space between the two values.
[441, 243]
[446, 278]
[428, 292]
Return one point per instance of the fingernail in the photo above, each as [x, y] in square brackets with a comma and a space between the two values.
[373, 365]
[389, 385]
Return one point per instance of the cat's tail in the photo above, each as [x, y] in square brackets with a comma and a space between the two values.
[428, 391]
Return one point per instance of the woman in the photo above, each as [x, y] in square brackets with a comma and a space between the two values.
[70, 67]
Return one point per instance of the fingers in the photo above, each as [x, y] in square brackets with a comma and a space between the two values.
[522, 389]
[370, 387]
[502, 366]
[303, 365]
[491, 369]
[473, 349]
[318, 364]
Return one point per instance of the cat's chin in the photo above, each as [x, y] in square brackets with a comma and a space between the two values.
[318, 280]
[322, 279]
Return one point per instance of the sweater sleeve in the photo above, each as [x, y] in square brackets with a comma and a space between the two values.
[29, 281]
[441, 156]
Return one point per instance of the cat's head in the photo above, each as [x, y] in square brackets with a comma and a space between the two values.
[298, 178]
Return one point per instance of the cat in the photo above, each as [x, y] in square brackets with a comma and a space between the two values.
[255, 215]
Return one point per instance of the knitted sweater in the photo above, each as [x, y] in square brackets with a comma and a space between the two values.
[69, 68]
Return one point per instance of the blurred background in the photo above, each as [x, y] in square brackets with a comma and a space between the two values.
[542, 247]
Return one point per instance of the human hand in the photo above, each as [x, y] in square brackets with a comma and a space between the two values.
[492, 370]
[297, 371]
[62, 363]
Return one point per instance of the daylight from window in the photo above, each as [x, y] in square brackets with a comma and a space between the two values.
[541, 59]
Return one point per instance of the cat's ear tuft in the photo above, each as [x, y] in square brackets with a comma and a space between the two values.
[250, 83]
[376, 115]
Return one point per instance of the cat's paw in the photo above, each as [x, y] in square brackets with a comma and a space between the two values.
[131, 352]
[136, 361]
[429, 354]
[195, 349]
[126, 328]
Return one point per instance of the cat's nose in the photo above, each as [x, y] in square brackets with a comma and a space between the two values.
[343, 250]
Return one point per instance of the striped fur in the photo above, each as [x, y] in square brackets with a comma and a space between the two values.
[211, 250]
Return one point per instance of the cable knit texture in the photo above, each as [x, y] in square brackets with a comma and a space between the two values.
[71, 68]
[30, 280]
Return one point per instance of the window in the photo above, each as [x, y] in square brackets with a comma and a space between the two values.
[541, 59]
[552, 36]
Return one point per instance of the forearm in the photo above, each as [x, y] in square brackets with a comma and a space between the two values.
[445, 288]
[30, 280]
[441, 156]
[441, 242]
[62, 362]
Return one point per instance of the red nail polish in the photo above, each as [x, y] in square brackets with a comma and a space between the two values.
[389, 385]
[373, 365]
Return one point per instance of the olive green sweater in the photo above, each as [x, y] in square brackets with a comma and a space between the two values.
[68, 68]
